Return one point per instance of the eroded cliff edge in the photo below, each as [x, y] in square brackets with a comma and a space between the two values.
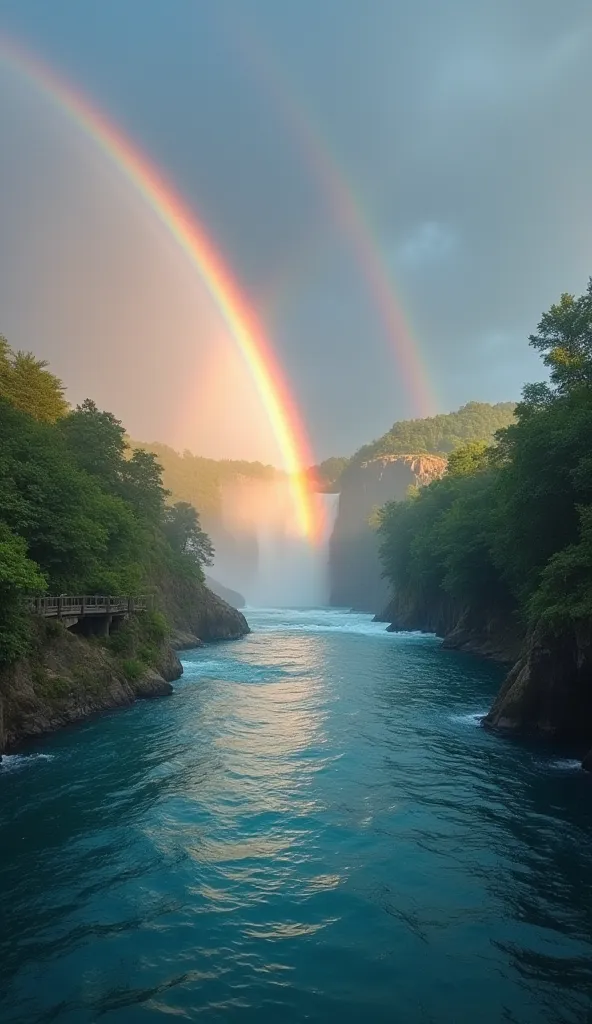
[548, 689]
[474, 631]
[548, 692]
[354, 564]
[68, 677]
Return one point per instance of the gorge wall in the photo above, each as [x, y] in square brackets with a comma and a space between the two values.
[354, 565]
[67, 677]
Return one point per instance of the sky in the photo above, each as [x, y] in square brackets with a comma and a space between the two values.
[458, 132]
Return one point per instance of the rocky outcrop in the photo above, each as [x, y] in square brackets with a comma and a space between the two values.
[487, 634]
[439, 618]
[67, 678]
[232, 597]
[355, 570]
[183, 640]
[194, 609]
[213, 618]
[549, 690]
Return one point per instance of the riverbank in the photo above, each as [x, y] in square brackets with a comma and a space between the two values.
[494, 637]
[546, 691]
[66, 677]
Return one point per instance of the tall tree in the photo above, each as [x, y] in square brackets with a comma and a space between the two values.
[27, 384]
[185, 535]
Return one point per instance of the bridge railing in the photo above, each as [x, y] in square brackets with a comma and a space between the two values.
[65, 605]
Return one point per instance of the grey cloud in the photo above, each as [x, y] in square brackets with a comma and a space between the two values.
[461, 129]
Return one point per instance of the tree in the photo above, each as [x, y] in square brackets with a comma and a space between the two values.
[468, 458]
[185, 535]
[565, 339]
[97, 441]
[141, 486]
[510, 526]
[74, 530]
[475, 421]
[27, 384]
[19, 577]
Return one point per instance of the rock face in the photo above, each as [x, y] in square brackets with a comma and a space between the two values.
[355, 569]
[232, 597]
[183, 640]
[549, 690]
[475, 632]
[68, 678]
[213, 618]
[194, 609]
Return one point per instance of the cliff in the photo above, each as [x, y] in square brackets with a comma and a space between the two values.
[67, 678]
[195, 610]
[232, 597]
[484, 632]
[549, 690]
[354, 565]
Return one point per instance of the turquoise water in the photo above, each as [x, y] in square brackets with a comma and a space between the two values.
[313, 828]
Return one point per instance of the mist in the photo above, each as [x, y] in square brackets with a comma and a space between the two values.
[267, 559]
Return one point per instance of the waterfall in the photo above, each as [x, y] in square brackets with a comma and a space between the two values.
[289, 571]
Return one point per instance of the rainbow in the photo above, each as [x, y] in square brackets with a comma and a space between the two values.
[347, 210]
[193, 239]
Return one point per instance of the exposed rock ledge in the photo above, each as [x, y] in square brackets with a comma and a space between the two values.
[183, 640]
[483, 635]
[68, 678]
[197, 611]
[549, 690]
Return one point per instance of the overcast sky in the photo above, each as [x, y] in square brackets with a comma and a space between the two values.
[462, 129]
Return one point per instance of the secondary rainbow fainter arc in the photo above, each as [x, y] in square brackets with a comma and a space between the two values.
[345, 204]
[193, 239]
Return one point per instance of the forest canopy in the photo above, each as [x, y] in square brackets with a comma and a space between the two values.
[80, 510]
[508, 530]
[439, 435]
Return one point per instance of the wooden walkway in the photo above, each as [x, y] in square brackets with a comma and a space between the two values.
[86, 605]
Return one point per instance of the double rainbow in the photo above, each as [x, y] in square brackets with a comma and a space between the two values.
[347, 208]
[199, 249]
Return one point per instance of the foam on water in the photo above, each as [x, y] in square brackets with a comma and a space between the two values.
[471, 718]
[14, 762]
[327, 620]
[565, 764]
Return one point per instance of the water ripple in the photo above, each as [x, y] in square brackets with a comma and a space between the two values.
[313, 828]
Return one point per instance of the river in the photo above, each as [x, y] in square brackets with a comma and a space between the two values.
[312, 828]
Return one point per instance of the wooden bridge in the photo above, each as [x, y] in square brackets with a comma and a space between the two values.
[65, 606]
[93, 611]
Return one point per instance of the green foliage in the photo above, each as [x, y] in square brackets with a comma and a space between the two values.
[50, 686]
[565, 339]
[18, 575]
[27, 384]
[137, 642]
[80, 512]
[154, 626]
[476, 421]
[185, 535]
[509, 528]
[327, 475]
[133, 669]
[468, 458]
[564, 593]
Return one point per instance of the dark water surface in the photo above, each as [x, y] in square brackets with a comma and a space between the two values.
[313, 828]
